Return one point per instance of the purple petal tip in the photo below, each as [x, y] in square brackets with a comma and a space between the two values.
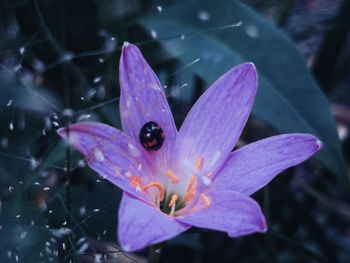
[319, 144]
[263, 228]
[126, 44]
[249, 66]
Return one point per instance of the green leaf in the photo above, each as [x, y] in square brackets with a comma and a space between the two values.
[288, 97]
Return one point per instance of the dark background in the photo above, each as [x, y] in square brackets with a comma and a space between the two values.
[59, 64]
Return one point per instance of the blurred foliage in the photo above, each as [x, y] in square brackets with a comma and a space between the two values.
[295, 103]
[58, 64]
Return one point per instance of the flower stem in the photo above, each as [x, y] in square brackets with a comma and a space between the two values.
[154, 253]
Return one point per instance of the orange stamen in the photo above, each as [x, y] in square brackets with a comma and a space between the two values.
[135, 181]
[191, 182]
[206, 200]
[173, 178]
[191, 189]
[199, 163]
[157, 185]
[173, 200]
[209, 174]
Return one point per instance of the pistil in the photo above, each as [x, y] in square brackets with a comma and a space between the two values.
[172, 204]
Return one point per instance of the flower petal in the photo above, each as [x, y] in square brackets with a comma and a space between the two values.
[141, 225]
[142, 100]
[214, 124]
[251, 167]
[230, 212]
[110, 152]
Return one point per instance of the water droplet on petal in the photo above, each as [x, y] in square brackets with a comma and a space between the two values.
[319, 143]
[99, 155]
[132, 150]
[206, 180]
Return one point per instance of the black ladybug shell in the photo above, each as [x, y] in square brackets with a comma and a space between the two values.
[151, 136]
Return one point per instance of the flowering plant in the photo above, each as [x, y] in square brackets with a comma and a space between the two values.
[173, 180]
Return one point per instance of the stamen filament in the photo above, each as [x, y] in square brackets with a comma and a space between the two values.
[173, 178]
[157, 185]
[206, 200]
[199, 163]
[172, 203]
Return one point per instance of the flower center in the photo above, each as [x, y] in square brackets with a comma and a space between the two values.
[171, 201]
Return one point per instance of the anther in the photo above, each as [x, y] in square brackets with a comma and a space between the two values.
[209, 174]
[206, 200]
[191, 189]
[173, 178]
[199, 163]
[191, 182]
[157, 185]
[135, 181]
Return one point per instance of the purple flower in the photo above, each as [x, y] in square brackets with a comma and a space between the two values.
[193, 179]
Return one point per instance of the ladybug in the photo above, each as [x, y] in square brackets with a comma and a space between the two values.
[152, 136]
